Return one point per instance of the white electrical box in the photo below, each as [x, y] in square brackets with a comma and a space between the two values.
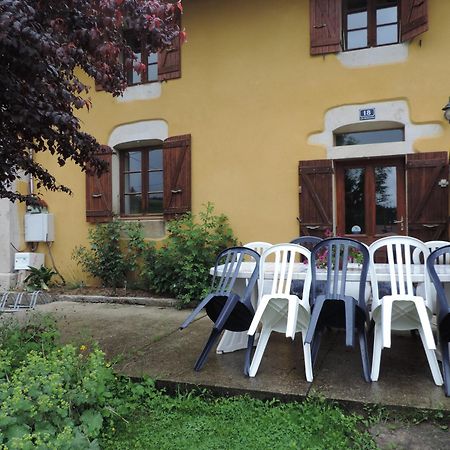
[39, 228]
[23, 261]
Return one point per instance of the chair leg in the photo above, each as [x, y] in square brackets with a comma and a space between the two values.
[292, 317]
[194, 313]
[307, 358]
[203, 355]
[248, 354]
[262, 343]
[386, 318]
[426, 326]
[377, 347]
[350, 306]
[258, 314]
[446, 366]
[364, 354]
[314, 319]
[315, 346]
[432, 360]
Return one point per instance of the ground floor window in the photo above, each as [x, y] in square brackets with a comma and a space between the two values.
[142, 181]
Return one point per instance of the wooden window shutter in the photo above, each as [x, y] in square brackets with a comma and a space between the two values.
[325, 26]
[177, 175]
[414, 18]
[99, 192]
[169, 61]
[427, 195]
[315, 197]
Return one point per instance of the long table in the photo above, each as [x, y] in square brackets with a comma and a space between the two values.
[232, 341]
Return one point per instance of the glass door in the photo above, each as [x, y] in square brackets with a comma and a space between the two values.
[370, 198]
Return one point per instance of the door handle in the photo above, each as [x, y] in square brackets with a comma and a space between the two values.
[176, 191]
[434, 225]
[400, 222]
[313, 227]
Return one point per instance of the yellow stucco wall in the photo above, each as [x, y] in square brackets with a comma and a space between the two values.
[250, 95]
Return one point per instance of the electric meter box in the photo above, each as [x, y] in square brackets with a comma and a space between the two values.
[39, 228]
[23, 261]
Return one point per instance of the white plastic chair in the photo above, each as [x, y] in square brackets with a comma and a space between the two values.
[259, 246]
[279, 310]
[402, 309]
[444, 259]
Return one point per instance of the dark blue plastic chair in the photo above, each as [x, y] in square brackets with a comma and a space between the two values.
[224, 306]
[332, 306]
[308, 242]
[443, 314]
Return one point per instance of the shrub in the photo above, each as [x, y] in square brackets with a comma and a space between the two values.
[39, 278]
[106, 258]
[59, 397]
[180, 268]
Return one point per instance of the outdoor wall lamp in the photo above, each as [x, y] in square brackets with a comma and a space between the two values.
[446, 110]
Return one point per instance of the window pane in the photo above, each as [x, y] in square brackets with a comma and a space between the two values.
[155, 159]
[133, 161]
[152, 72]
[155, 181]
[356, 39]
[153, 58]
[133, 182]
[385, 198]
[354, 200]
[357, 20]
[370, 137]
[155, 202]
[136, 77]
[133, 204]
[387, 34]
[386, 15]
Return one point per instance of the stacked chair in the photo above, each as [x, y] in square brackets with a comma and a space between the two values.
[227, 308]
[279, 310]
[333, 305]
[443, 312]
[401, 308]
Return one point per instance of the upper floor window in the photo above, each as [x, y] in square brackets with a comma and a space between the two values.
[337, 25]
[150, 61]
[370, 23]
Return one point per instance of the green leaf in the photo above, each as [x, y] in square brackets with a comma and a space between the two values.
[92, 422]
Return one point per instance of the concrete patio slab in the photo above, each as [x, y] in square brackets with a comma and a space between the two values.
[145, 340]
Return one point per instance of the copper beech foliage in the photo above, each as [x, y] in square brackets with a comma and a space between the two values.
[43, 46]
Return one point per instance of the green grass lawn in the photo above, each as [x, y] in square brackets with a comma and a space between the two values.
[193, 422]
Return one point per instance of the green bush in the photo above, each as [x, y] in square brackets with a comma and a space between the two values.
[180, 268]
[59, 397]
[39, 278]
[108, 258]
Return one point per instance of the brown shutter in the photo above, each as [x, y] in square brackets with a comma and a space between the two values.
[99, 192]
[169, 61]
[177, 175]
[414, 18]
[325, 26]
[427, 178]
[316, 197]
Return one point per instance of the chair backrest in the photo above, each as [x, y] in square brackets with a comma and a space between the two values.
[443, 307]
[276, 269]
[231, 260]
[399, 250]
[259, 246]
[307, 241]
[432, 246]
[334, 255]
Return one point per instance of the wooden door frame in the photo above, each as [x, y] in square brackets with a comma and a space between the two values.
[369, 192]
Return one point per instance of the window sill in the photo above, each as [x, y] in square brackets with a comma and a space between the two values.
[145, 91]
[374, 56]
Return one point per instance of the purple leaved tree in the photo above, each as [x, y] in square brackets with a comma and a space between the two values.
[44, 46]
